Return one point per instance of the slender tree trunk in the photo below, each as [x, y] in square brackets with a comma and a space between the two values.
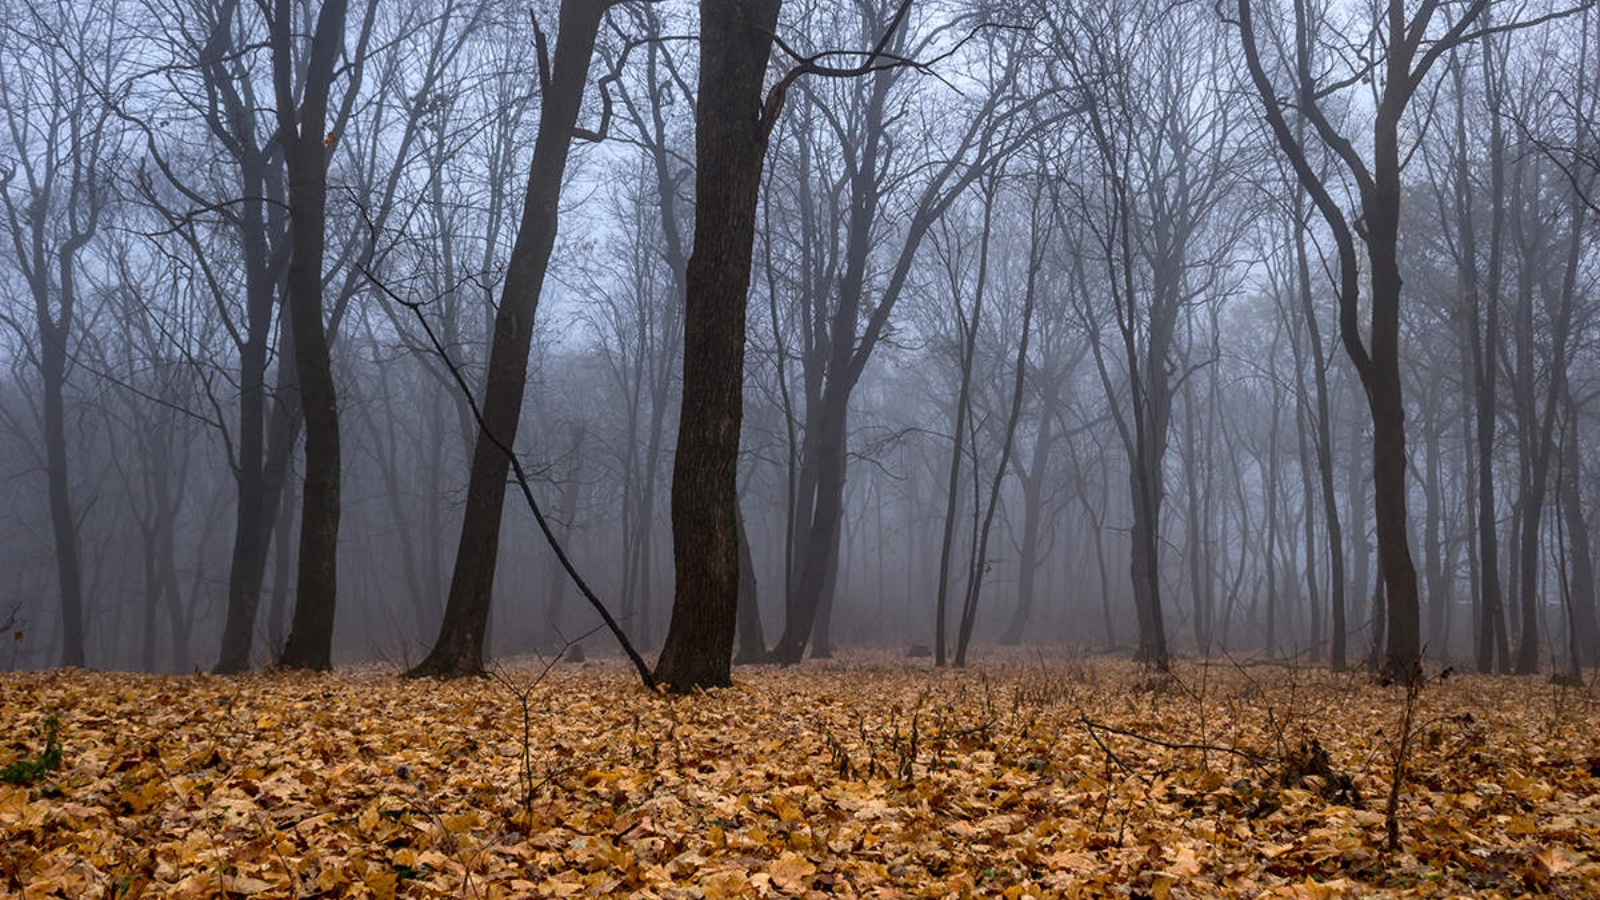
[460, 647]
[301, 132]
[1484, 343]
[1324, 443]
[1584, 622]
[69, 572]
[1028, 560]
[1269, 477]
[969, 612]
[555, 585]
[282, 569]
[1433, 489]
[752, 644]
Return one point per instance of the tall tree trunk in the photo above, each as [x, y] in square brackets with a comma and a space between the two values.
[555, 585]
[1484, 343]
[1433, 490]
[1338, 629]
[282, 568]
[63, 520]
[459, 648]
[263, 249]
[301, 132]
[1381, 209]
[730, 147]
[1269, 478]
[1028, 553]
[969, 612]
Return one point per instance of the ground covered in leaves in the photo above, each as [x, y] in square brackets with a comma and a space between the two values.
[1045, 778]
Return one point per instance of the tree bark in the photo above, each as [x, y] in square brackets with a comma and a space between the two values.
[301, 132]
[459, 647]
[730, 147]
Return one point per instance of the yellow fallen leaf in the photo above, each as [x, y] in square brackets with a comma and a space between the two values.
[1184, 864]
[1522, 826]
[791, 872]
[243, 885]
[1557, 859]
[726, 884]
[381, 882]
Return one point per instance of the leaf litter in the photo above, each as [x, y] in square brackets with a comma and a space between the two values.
[870, 778]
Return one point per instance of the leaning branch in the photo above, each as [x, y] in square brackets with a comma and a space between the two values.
[523, 483]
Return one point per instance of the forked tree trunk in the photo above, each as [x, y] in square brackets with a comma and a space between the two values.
[310, 643]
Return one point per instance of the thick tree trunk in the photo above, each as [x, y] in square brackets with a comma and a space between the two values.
[310, 642]
[459, 648]
[730, 146]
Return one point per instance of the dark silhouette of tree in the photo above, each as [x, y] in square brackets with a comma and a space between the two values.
[845, 336]
[459, 650]
[54, 192]
[1411, 42]
[731, 130]
[302, 131]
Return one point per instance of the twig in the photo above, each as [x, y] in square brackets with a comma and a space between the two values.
[1093, 726]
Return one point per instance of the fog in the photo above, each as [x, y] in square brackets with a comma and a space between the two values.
[1048, 341]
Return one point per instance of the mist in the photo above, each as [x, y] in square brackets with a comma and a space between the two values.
[1122, 327]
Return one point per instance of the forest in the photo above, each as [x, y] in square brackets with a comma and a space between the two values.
[1106, 326]
[1127, 447]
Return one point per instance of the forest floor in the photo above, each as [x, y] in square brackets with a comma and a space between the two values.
[1043, 777]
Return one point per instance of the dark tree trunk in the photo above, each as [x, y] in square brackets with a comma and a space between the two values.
[1484, 343]
[555, 589]
[459, 648]
[262, 249]
[1410, 51]
[837, 366]
[969, 612]
[310, 642]
[730, 146]
[1381, 209]
[1028, 553]
[69, 572]
[282, 567]
[969, 346]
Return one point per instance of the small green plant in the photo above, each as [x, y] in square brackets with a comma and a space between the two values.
[29, 770]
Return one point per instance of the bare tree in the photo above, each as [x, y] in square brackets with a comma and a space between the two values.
[1403, 49]
[61, 61]
[731, 130]
[459, 648]
[1156, 133]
